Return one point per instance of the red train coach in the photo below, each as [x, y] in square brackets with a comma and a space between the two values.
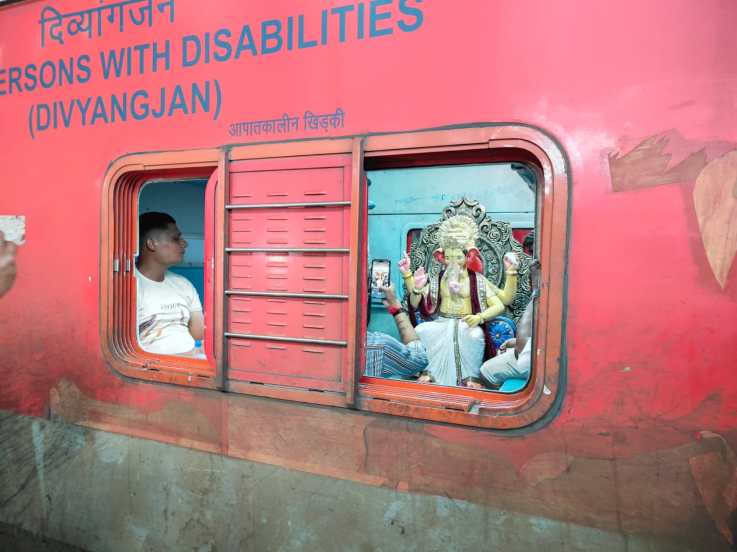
[304, 148]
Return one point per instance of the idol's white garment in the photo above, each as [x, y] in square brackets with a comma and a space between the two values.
[453, 348]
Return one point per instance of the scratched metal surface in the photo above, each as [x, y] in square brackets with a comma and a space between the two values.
[105, 492]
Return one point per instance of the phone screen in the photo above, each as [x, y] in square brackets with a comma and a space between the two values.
[380, 276]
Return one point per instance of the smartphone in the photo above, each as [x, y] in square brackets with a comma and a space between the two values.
[380, 277]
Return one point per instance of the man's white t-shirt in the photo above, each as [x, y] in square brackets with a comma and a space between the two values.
[164, 310]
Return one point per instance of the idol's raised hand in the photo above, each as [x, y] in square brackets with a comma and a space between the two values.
[511, 261]
[404, 263]
[420, 278]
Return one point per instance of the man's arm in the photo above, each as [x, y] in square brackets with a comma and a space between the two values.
[524, 328]
[7, 264]
[197, 325]
[406, 331]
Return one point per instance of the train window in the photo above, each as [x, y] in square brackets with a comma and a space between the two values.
[170, 268]
[463, 278]
[293, 245]
[145, 328]
[446, 209]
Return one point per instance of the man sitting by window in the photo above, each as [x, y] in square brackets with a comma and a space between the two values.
[169, 309]
[388, 358]
[514, 358]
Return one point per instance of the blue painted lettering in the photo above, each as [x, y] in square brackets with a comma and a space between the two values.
[14, 74]
[301, 42]
[245, 42]
[83, 108]
[178, 102]
[273, 35]
[30, 76]
[43, 117]
[342, 12]
[119, 107]
[190, 56]
[375, 17]
[139, 105]
[199, 97]
[290, 33]
[361, 21]
[83, 69]
[158, 56]
[47, 75]
[140, 49]
[413, 12]
[112, 62]
[324, 27]
[98, 112]
[223, 49]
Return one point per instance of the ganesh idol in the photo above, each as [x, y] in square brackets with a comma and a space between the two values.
[457, 304]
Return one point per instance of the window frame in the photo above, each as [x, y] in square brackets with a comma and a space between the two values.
[118, 244]
[488, 409]
[459, 145]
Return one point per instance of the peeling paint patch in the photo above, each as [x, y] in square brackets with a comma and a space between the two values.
[38, 449]
[108, 449]
[549, 465]
[715, 475]
[392, 512]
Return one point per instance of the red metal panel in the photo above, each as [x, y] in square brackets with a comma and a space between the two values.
[289, 272]
[295, 227]
[291, 364]
[260, 188]
[288, 186]
[312, 319]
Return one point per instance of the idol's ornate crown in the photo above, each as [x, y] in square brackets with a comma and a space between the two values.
[457, 232]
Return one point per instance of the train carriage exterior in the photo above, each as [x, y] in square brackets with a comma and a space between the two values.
[295, 142]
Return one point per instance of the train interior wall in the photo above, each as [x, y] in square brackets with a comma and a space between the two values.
[185, 201]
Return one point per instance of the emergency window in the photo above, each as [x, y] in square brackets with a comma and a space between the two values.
[288, 298]
[289, 234]
[409, 206]
[186, 193]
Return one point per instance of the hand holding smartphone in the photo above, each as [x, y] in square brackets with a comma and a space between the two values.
[380, 277]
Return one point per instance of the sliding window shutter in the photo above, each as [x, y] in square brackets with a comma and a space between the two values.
[291, 307]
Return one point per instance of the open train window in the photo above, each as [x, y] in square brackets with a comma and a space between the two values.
[139, 341]
[452, 217]
[170, 276]
[289, 234]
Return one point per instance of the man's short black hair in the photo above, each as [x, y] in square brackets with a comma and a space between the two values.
[150, 222]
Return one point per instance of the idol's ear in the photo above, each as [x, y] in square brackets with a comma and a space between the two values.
[439, 255]
[473, 260]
